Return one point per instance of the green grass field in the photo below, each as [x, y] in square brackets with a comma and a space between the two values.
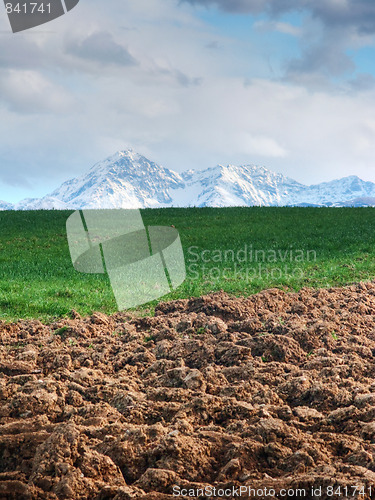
[239, 250]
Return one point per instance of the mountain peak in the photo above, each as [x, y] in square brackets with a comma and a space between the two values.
[124, 180]
[353, 178]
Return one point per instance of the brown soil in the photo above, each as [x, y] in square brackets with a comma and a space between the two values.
[272, 391]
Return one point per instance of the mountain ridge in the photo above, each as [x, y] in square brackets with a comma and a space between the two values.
[127, 179]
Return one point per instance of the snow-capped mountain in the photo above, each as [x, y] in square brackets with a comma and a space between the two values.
[124, 180]
[4, 205]
[235, 186]
[129, 180]
[249, 185]
[340, 191]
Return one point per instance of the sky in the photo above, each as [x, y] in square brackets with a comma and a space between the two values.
[288, 84]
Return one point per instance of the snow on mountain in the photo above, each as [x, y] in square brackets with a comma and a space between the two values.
[249, 185]
[245, 185]
[46, 203]
[339, 191]
[4, 205]
[361, 201]
[129, 180]
[124, 180]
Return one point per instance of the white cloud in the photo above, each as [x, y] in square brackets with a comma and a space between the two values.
[261, 145]
[27, 91]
